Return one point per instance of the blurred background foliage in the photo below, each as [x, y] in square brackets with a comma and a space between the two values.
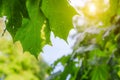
[96, 51]
[16, 64]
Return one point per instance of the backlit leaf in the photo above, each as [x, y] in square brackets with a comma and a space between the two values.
[59, 14]
[35, 31]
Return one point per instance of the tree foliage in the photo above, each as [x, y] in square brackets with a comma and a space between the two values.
[31, 21]
[95, 54]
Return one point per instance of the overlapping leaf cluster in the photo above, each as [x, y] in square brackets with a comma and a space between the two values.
[31, 21]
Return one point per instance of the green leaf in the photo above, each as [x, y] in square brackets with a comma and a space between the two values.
[59, 14]
[15, 10]
[69, 69]
[35, 32]
[63, 60]
[100, 72]
[97, 53]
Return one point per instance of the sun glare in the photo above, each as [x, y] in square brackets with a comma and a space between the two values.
[87, 6]
[92, 9]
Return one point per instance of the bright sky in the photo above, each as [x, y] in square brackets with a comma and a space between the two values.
[59, 48]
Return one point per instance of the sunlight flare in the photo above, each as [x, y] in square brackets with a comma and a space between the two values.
[92, 9]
